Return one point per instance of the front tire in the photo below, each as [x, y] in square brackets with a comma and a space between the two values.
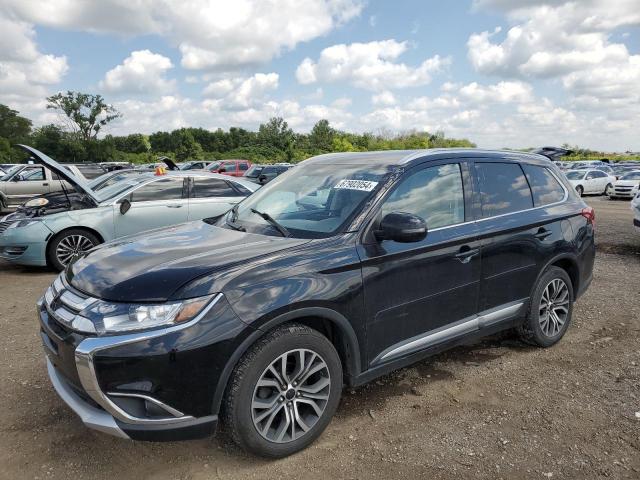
[608, 190]
[580, 190]
[283, 392]
[550, 309]
[67, 244]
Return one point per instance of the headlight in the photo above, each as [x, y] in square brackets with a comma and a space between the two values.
[37, 202]
[24, 223]
[104, 317]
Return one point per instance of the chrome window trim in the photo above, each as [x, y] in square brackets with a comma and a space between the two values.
[88, 348]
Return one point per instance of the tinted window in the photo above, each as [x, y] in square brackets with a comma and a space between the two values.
[544, 186]
[434, 193]
[90, 171]
[503, 188]
[254, 171]
[165, 189]
[212, 187]
[244, 166]
[269, 171]
[598, 174]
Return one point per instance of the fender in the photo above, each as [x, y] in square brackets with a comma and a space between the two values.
[332, 316]
[563, 256]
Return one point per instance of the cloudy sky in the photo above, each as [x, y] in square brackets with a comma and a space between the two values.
[503, 73]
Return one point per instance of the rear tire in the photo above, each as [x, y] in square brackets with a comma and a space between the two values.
[275, 414]
[550, 309]
[65, 245]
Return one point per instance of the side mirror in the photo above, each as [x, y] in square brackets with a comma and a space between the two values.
[402, 227]
[17, 178]
[125, 205]
[262, 178]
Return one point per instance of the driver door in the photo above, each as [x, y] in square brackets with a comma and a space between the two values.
[28, 183]
[416, 292]
[160, 203]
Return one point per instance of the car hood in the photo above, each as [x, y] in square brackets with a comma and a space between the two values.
[62, 172]
[627, 183]
[152, 266]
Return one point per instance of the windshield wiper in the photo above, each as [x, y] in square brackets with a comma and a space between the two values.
[268, 218]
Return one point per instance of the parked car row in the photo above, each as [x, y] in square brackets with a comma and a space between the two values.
[338, 271]
[51, 230]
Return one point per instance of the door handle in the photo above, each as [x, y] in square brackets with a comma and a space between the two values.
[542, 233]
[45, 184]
[466, 254]
[174, 206]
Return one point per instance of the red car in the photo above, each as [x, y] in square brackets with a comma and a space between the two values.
[235, 168]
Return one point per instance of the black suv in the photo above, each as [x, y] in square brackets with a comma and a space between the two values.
[338, 271]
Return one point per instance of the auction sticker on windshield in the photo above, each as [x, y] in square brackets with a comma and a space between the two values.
[362, 185]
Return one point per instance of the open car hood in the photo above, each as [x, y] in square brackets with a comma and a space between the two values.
[51, 164]
[552, 153]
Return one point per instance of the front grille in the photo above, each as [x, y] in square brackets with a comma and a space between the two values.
[623, 189]
[63, 302]
[4, 225]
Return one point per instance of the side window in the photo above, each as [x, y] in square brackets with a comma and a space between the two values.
[544, 186]
[243, 167]
[33, 175]
[503, 188]
[90, 171]
[212, 187]
[434, 193]
[164, 189]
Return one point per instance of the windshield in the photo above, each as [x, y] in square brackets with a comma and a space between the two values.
[254, 171]
[122, 186]
[575, 175]
[213, 166]
[12, 171]
[309, 202]
[631, 176]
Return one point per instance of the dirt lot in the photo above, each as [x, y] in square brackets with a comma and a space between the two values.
[497, 409]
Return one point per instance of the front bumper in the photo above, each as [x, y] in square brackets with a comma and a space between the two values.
[155, 385]
[25, 246]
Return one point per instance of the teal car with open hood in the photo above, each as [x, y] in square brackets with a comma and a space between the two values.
[52, 235]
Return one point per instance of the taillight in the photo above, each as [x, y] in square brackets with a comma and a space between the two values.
[590, 214]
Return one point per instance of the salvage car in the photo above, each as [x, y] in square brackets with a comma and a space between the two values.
[591, 181]
[262, 174]
[258, 318]
[626, 186]
[52, 236]
[635, 207]
[235, 168]
[28, 180]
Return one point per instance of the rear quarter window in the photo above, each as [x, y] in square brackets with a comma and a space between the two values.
[545, 188]
[503, 188]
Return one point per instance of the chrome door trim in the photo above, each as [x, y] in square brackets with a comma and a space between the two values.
[452, 331]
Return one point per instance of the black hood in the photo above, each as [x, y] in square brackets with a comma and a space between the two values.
[553, 153]
[152, 266]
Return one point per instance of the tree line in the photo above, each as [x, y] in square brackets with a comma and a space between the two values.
[75, 138]
[83, 117]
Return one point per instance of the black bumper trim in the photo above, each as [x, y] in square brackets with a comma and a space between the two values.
[189, 430]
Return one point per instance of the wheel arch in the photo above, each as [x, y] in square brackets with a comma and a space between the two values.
[330, 323]
[66, 229]
[567, 262]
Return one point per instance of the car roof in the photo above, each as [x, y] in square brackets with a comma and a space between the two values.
[411, 157]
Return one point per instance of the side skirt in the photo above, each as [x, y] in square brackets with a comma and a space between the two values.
[417, 348]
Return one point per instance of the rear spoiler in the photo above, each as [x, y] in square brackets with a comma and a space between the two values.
[553, 153]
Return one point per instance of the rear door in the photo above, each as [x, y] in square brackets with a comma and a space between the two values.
[160, 203]
[516, 237]
[211, 197]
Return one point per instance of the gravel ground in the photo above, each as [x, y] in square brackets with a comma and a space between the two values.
[495, 409]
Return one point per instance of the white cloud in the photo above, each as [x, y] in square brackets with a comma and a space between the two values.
[211, 34]
[240, 93]
[371, 66]
[502, 92]
[383, 98]
[141, 72]
[26, 74]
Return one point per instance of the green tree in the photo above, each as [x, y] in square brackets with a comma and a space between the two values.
[321, 136]
[85, 114]
[187, 148]
[13, 127]
[276, 132]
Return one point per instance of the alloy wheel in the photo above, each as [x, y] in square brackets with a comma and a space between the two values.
[554, 307]
[291, 396]
[71, 246]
